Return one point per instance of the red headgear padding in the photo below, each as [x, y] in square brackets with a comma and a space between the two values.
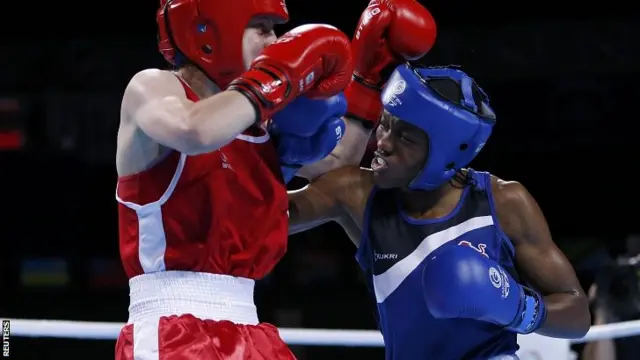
[208, 33]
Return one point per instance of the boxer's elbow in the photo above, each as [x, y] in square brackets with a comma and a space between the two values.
[581, 323]
[568, 315]
[583, 319]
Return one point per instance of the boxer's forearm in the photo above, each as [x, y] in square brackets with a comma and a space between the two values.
[568, 316]
[301, 227]
[349, 151]
[306, 210]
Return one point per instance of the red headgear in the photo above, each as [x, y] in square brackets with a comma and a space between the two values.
[208, 33]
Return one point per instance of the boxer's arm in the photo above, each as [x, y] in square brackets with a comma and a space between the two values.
[156, 101]
[339, 195]
[540, 263]
[349, 150]
[318, 202]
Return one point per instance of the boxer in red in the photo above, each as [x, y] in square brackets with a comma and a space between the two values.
[202, 196]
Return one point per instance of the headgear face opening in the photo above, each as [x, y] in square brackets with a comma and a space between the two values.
[208, 33]
[457, 131]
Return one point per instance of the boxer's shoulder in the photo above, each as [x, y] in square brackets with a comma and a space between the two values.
[152, 91]
[515, 207]
[508, 193]
[152, 96]
[150, 83]
[153, 76]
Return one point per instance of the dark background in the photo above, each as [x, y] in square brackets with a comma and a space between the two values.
[563, 79]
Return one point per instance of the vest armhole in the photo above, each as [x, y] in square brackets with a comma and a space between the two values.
[492, 206]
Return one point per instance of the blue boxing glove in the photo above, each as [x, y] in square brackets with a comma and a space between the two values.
[460, 282]
[307, 130]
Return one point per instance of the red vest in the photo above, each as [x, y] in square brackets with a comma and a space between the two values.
[223, 212]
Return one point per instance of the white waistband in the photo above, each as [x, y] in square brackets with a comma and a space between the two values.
[205, 296]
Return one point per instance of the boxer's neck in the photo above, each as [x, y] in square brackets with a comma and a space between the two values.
[198, 81]
[433, 204]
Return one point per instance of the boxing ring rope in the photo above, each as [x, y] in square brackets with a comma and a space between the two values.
[293, 336]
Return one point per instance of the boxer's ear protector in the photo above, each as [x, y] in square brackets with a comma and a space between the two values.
[179, 58]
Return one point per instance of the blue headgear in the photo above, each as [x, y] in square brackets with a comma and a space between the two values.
[456, 131]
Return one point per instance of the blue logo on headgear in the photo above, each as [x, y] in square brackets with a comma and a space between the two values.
[457, 132]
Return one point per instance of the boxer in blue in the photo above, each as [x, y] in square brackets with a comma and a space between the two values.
[459, 261]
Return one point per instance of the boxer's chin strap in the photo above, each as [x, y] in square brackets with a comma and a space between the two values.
[533, 314]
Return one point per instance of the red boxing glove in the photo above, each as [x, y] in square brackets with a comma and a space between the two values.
[389, 32]
[311, 59]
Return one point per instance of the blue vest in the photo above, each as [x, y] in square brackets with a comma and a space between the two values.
[392, 253]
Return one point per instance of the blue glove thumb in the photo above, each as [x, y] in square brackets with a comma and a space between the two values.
[296, 151]
[304, 117]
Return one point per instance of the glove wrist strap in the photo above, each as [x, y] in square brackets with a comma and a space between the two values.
[268, 89]
[532, 315]
[364, 102]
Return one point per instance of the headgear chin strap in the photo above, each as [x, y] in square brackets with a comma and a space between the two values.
[208, 33]
[456, 131]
